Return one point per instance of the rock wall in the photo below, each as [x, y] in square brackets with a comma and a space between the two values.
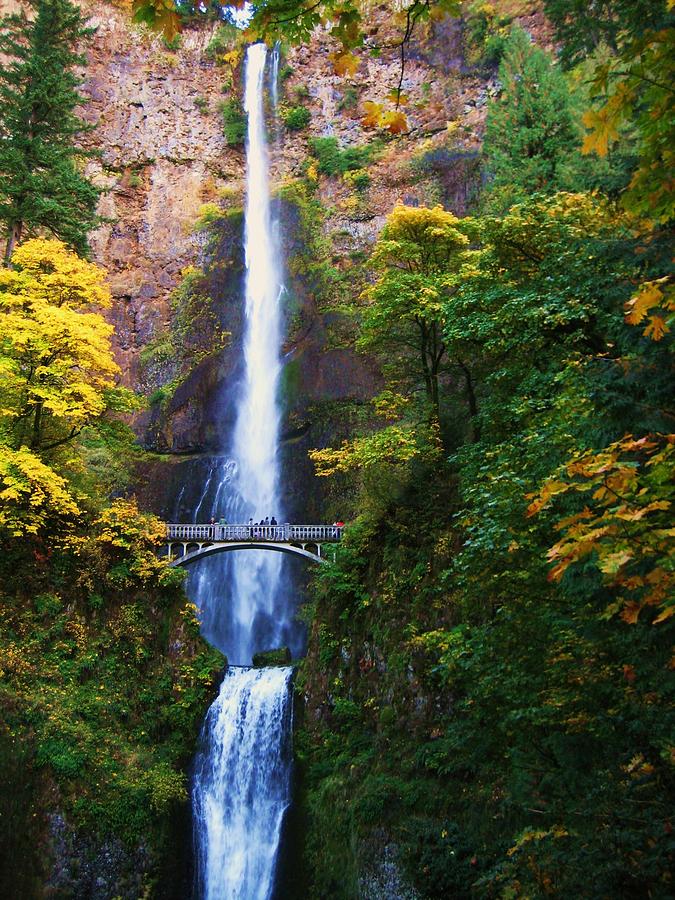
[163, 155]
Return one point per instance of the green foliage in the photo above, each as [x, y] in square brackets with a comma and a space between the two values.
[173, 43]
[301, 92]
[349, 99]
[279, 20]
[41, 184]
[610, 23]
[332, 160]
[106, 689]
[223, 41]
[234, 122]
[419, 257]
[193, 335]
[295, 118]
[486, 34]
[628, 49]
[308, 257]
[532, 140]
[525, 658]
[358, 178]
[279, 657]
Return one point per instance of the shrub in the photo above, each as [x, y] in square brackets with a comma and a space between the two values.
[173, 43]
[234, 122]
[296, 118]
[222, 41]
[334, 161]
[358, 178]
[350, 98]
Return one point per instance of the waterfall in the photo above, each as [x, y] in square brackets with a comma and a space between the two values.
[240, 596]
[274, 75]
[241, 779]
[242, 785]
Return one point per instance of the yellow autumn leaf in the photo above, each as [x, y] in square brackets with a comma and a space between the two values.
[603, 131]
[373, 111]
[630, 612]
[638, 306]
[665, 614]
[394, 121]
[396, 97]
[612, 562]
[656, 328]
[344, 63]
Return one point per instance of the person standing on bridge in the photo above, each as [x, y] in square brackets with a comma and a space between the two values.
[273, 521]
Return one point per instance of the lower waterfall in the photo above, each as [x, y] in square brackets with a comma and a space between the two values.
[242, 784]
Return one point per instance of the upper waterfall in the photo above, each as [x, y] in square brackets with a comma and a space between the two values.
[256, 433]
[244, 607]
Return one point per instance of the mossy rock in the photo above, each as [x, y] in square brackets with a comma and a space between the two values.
[278, 657]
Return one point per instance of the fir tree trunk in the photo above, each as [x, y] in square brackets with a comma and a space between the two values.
[13, 238]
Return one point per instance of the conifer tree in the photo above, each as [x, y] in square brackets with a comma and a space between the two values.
[532, 141]
[41, 185]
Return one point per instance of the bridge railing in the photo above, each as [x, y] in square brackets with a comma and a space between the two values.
[278, 533]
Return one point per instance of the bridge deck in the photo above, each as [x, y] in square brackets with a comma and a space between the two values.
[301, 534]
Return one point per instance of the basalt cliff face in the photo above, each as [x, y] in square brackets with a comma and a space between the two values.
[163, 156]
[158, 123]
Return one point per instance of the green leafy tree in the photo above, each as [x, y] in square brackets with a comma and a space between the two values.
[41, 185]
[531, 140]
[418, 258]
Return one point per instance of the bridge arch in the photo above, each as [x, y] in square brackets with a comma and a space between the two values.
[205, 550]
[199, 541]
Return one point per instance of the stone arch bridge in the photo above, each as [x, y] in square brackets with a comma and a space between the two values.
[194, 542]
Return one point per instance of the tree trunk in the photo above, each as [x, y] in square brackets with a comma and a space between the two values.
[13, 237]
[437, 351]
[473, 405]
[37, 427]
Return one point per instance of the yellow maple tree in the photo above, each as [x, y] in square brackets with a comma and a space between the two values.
[56, 363]
[57, 378]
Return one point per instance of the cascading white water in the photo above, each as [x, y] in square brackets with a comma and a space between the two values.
[255, 576]
[274, 75]
[242, 785]
[242, 773]
[240, 597]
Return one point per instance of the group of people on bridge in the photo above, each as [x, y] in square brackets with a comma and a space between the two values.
[254, 528]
